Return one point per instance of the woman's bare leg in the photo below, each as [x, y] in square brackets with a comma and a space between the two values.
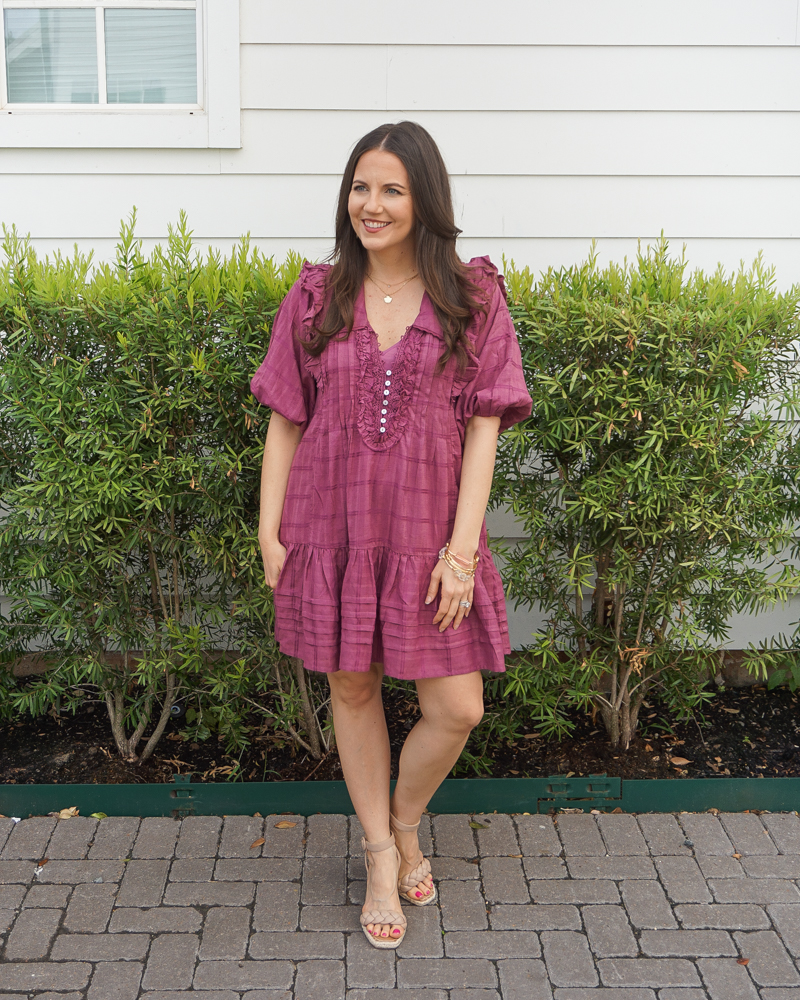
[363, 744]
[451, 707]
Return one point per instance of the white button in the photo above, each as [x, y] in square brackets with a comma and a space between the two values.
[383, 430]
[384, 411]
[386, 392]
[383, 420]
[387, 382]
[389, 372]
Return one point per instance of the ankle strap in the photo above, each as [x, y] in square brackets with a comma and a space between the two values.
[381, 845]
[395, 823]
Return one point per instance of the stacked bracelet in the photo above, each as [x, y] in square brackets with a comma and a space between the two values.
[462, 572]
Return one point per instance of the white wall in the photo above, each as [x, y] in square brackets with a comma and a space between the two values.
[560, 122]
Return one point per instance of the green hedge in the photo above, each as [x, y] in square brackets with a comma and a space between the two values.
[659, 494]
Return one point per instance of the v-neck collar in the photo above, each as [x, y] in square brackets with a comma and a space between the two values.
[425, 319]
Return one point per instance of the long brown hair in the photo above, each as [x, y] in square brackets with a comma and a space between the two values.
[446, 279]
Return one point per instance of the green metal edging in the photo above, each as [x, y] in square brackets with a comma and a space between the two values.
[464, 795]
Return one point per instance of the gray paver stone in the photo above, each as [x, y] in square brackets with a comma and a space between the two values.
[536, 918]
[156, 838]
[601, 993]
[199, 837]
[647, 905]
[580, 836]
[719, 866]
[754, 890]
[609, 932]
[622, 835]
[614, 867]
[100, 947]
[499, 839]
[319, 981]
[54, 896]
[191, 870]
[44, 975]
[326, 918]
[381, 994]
[503, 881]
[423, 937]
[157, 920]
[425, 836]
[6, 920]
[143, 883]
[31, 935]
[324, 881]
[327, 836]
[784, 829]
[71, 838]
[113, 838]
[725, 980]
[115, 981]
[28, 839]
[356, 893]
[210, 995]
[706, 833]
[257, 995]
[16, 872]
[687, 944]
[747, 833]
[277, 906]
[12, 895]
[663, 835]
[678, 993]
[683, 880]
[6, 826]
[786, 917]
[297, 945]
[90, 907]
[449, 973]
[286, 842]
[54, 996]
[238, 833]
[782, 866]
[209, 894]
[581, 892]
[770, 964]
[779, 993]
[653, 972]
[538, 868]
[258, 869]
[453, 836]
[729, 916]
[538, 836]
[170, 965]
[72, 872]
[492, 944]
[462, 906]
[472, 995]
[239, 976]
[452, 868]
[523, 979]
[569, 962]
[226, 932]
[368, 967]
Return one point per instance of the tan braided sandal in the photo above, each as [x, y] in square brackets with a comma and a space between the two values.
[408, 883]
[381, 915]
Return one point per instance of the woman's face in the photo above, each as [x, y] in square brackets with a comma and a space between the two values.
[380, 205]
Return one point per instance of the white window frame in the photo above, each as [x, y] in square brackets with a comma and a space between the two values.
[214, 122]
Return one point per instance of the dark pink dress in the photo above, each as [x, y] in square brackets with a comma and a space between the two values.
[373, 487]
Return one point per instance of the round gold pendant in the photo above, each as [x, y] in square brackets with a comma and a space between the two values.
[387, 298]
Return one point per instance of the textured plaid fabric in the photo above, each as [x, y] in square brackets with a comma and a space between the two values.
[373, 487]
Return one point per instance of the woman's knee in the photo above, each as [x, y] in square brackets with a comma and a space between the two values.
[354, 690]
[470, 714]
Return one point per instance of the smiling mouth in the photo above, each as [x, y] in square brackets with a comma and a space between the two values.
[374, 226]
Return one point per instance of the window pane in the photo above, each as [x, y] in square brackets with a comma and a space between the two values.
[151, 57]
[51, 56]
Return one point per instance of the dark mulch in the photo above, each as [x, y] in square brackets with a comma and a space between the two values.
[743, 733]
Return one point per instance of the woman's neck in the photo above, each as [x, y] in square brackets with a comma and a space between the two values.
[392, 264]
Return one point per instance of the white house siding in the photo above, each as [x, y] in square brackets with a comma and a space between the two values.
[560, 123]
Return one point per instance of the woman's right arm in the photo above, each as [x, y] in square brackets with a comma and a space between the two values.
[283, 438]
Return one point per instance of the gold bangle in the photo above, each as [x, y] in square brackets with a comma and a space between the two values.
[471, 565]
[461, 574]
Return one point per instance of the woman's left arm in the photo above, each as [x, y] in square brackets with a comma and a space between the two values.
[477, 469]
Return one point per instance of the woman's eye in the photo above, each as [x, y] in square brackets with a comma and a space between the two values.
[392, 191]
[359, 187]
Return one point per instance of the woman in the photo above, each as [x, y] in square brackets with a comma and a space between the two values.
[390, 373]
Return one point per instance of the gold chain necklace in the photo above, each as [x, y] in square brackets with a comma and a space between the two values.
[387, 296]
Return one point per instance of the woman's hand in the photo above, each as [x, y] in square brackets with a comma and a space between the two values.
[454, 591]
[274, 555]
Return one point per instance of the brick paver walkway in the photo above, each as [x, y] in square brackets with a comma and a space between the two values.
[608, 907]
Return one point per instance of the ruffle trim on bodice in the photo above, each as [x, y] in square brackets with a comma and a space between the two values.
[330, 599]
[373, 376]
[312, 280]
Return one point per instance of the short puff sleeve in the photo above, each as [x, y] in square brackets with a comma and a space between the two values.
[284, 381]
[498, 388]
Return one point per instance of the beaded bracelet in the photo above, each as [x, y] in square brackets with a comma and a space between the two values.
[450, 559]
